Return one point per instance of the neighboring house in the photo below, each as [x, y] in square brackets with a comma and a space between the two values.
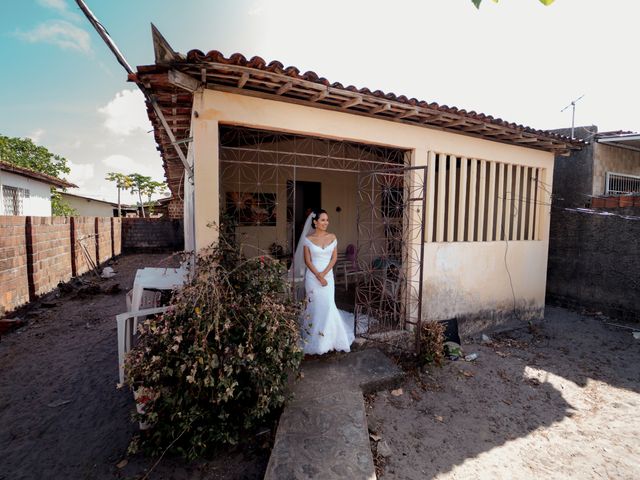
[449, 208]
[595, 225]
[608, 166]
[25, 192]
[92, 207]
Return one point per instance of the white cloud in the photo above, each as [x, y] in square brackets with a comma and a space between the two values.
[36, 135]
[60, 33]
[124, 164]
[80, 173]
[256, 10]
[126, 113]
[61, 7]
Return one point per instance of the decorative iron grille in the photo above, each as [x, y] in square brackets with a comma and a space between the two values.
[258, 173]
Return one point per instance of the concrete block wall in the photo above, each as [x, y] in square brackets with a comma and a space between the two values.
[49, 252]
[14, 285]
[594, 262]
[152, 234]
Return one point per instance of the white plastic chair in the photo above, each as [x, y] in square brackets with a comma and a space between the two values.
[126, 332]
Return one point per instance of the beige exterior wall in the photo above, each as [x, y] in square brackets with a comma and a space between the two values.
[87, 207]
[612, 159]
[461, 278]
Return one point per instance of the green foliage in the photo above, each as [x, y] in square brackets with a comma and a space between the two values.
[123, 181]
[24, 153]
[432, 343]
[59, 207]
[214, 368]
[544, 2]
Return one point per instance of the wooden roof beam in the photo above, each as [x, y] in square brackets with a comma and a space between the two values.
[409, 113]
[284, 88]
[320, 95]
[352, 103]
[382, 108]
[242, 81]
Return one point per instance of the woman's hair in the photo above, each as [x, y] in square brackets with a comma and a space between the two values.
[316, 215]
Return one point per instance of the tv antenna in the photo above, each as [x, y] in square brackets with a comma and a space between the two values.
[573, 113]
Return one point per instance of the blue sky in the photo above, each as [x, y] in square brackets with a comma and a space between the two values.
[516, 60]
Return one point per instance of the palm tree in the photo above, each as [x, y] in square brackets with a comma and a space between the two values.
[122, 182]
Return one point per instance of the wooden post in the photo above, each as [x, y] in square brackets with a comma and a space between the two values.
[481, 199]
[442, 176]
[451, 207]
[473, 184]
[500, 201]
[491, 200]
[462, 199]
[431, 183]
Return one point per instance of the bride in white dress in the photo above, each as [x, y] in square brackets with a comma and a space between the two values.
[324, 327]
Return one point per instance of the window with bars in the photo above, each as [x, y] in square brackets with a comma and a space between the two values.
[621, 183]
[13, 199]
[473, 200]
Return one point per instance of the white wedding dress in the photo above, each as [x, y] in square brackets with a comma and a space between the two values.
[324, 327]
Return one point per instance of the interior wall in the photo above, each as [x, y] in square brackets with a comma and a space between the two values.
[338, 190]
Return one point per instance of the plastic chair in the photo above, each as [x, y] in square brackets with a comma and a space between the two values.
[349, 265]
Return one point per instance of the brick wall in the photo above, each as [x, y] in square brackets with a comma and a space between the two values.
[594, 262]
[36, 253]
[14, 285]
[103, 232]
[140, 234]
[49, 252]
[117, 235]
[84, 234]
[176, 209]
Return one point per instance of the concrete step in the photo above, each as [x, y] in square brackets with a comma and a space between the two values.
[323, 430]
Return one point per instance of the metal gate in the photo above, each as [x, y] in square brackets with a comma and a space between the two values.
[391, 235]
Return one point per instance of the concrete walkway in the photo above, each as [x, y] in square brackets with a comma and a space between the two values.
[323, 430]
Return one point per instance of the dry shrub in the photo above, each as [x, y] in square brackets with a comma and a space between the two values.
[213, 369]
[432, 343]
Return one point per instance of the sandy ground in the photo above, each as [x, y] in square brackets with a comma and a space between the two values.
[563, 402]
[61, 416]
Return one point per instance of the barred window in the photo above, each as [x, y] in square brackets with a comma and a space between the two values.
[473, 200]
[13, 199]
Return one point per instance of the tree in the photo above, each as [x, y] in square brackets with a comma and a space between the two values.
[24, 153]
[123, 182]
[138, 185]
[150, 188]
[544, 2]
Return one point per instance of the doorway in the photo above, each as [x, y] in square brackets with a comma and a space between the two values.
[303, 197]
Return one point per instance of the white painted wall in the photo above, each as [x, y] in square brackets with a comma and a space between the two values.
[88, 207]
[39, 201]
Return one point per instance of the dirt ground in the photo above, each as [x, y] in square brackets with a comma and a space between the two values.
[560, 401]
[61, 416]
